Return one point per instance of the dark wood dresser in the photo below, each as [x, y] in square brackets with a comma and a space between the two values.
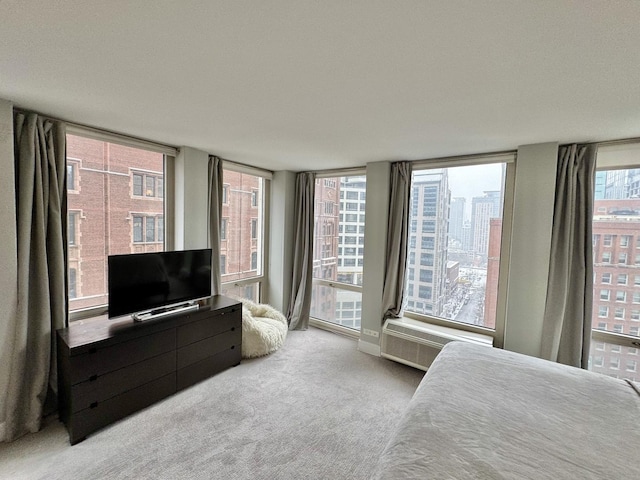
[108, 369]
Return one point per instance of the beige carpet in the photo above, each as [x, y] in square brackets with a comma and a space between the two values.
[315, 409]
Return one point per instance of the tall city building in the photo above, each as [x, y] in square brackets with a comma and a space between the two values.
[428, 243]
[456, 221]
[353, 194]
[484, 209]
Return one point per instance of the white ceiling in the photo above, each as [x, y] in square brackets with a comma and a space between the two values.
[307, 85]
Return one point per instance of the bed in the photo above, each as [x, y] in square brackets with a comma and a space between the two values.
[485, 413]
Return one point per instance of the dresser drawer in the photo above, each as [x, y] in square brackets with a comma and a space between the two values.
[209, 346]
[89, 420]
[99, 361]
[208, 367]
[103, 387]
[208, 327]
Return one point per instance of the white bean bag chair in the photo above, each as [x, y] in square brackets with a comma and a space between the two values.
[264, 329]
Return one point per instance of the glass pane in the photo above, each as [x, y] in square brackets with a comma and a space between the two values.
[616, 235]
[336, 305]
[457, 214]
[107, 209]
[338, 252]
[250, 291]
[615, 360]
[243, 215]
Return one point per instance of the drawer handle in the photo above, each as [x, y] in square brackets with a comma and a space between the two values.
[232, 347]
[93, 405]
[233, 328]
[93, 378]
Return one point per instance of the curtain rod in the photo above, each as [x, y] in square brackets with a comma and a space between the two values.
[608, 143]
[96, 129]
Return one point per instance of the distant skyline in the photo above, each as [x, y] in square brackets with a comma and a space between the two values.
[472, 181]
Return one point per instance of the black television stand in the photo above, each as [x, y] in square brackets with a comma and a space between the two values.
[164, 311]
[108, 369]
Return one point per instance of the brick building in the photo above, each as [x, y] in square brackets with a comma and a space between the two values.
[115, 205]
[616, 292]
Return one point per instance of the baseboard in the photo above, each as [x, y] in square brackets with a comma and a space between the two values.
[370, 348]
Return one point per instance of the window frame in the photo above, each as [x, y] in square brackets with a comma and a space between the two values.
[169, 154]
[346, 207]
[267, 176]
[608, 163]
[509, 158]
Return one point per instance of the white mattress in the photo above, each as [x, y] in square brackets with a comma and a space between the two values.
[492, 414]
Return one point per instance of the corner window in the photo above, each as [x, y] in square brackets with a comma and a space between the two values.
[242, 227]
[337, 260]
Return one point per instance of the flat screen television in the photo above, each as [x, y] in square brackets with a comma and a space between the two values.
[143, 282]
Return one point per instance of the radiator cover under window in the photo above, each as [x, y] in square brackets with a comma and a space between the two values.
[417, 343]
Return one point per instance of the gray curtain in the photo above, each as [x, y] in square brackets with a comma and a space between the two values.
[215, 217]
[566, 332]
[39, 146]
[300, 301]
[397, 238]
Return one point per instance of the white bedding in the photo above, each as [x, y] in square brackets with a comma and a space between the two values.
[492, 414]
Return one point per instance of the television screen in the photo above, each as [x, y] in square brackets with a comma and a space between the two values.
[147, 281]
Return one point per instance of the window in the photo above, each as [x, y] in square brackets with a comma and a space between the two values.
[150, 185]
[223, 264]
[607, 240]
[223, 228]
[620, 222]
[337, 280]
[603, 312]
[137, 184]
[606, 257]
[160, 225]
[458, 279]
[625, 240]
[604, 295]
[73, 287]
[72, 168]
[606, 278]
[117, 218]
[72, 229]
[244, 228]
[137, 229]
[150, 223]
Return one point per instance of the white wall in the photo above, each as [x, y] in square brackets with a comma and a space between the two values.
[281, 235]
[375, 248]
[530, 245]
[8, 253]
[191, 198]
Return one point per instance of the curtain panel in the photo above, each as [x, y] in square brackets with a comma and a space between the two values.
[566, 331]
[300, 300]
[214, 207]
[40, 174]
[397, 240]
